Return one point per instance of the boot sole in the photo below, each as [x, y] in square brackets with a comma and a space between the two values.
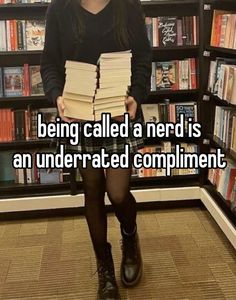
[136, 281]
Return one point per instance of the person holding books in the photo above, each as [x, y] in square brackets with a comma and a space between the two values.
[81, 30]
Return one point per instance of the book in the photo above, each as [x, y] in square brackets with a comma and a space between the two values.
[223, 32]
[36, 84]
[13, 81]
[166, 75]
[167, 31]
[35, 34]
[151, 113]
[91, 90]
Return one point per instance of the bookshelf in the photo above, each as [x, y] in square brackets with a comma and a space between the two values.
[210, 101]
[205, 100]
[18, 58]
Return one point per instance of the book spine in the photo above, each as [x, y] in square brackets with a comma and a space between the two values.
[8, 31]
[26, 90]
[19, 35]
[193, 73]
[179, 32]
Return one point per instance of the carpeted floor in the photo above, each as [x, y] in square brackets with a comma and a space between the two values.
[185, 254]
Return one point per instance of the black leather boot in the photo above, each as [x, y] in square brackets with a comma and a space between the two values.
[108, 289]
[131, 264]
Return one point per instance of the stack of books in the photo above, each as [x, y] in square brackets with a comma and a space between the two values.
[114, 79]
[79, 90]
[91, 90]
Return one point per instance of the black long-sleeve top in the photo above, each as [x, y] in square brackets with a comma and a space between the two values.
[62, 43]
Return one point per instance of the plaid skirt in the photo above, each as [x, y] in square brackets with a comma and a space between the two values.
[111, 144]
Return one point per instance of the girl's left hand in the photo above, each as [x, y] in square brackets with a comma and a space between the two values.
[131, 107]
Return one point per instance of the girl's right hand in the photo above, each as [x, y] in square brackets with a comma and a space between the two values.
[61, 108]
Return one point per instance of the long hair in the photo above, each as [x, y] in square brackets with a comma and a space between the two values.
[119, 21]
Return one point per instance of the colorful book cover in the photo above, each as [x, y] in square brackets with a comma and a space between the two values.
[36, 84]
[35, 33]
[166, 75]
[187, 110]
[13, 81]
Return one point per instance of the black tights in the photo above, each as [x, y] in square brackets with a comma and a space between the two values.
[117, 185]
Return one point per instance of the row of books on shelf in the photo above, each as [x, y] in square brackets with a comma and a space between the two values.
[21, 81]
[18, 35]
[23, 1]
[174, 75]
[55, 176]
[223, 29]
[33, 175]
[165, 147]
[21, 124]
[224, 181]
[225, 126]
[169, 112]
[222, 79]
[170, 31]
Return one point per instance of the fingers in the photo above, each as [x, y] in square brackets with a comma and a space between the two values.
[119, 118]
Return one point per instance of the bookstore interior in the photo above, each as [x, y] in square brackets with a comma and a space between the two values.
[193, 74]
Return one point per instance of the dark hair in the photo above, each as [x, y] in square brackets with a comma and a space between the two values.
[119, 21]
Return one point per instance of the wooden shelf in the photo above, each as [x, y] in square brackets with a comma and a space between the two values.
[168, 2]
[221, 51]
[175, 52]
[23, 5]
[23, 98]
[20, 52]
[11, 189]
[220, 201]
[217, 143]
[24, 144]
[219, 101]
[172, 96]
[22, 102]
[174, 92]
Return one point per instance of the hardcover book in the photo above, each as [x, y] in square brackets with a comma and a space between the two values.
[35, 33]
[167, 29]
[166, 75]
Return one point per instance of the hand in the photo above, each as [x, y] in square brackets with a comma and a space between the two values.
[131, 107]
[61, 108]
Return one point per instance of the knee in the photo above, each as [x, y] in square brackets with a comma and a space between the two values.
[94, 188]
[118, 197]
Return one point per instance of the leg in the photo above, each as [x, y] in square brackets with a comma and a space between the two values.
[118, 190]
[95, 213]
[94, 190]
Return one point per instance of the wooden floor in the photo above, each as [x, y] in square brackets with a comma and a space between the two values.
[185, 254]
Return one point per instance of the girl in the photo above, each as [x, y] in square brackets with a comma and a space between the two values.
[81, 30]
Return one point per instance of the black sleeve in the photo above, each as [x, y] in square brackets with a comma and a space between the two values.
[141, 53]
[52, 76]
